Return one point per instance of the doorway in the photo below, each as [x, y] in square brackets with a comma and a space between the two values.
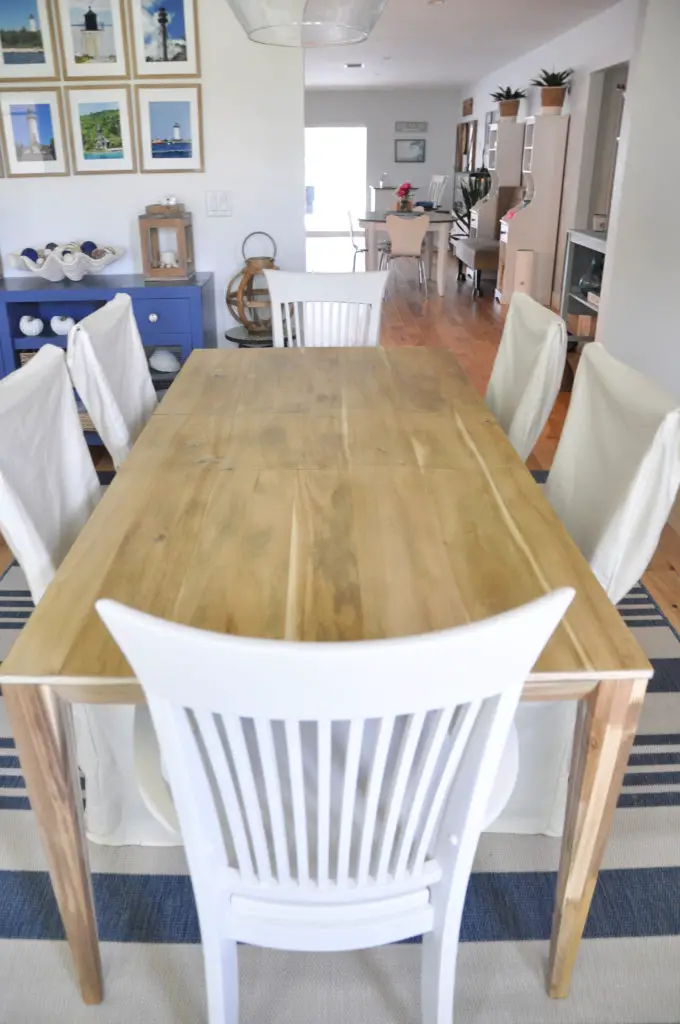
[335, 177]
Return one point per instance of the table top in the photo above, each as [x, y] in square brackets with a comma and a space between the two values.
[436, 217]
[320, 494]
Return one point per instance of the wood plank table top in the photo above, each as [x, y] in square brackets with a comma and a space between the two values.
[321, 494]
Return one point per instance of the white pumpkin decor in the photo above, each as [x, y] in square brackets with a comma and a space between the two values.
[31, 326]
[61, 324]
[164, 361]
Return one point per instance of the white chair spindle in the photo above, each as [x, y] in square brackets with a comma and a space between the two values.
[251, 799]
[375, 787]
[409, 744]
[273, 790]
[349, 792]
[297, 786]
[323, 802]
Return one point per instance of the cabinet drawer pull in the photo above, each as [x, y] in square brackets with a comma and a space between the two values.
[153, 318]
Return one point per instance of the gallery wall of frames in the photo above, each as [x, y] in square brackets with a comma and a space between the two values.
[99, 87]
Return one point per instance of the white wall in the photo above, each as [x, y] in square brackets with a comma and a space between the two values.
[598, 43]
[377, 110]
[638, 319]
[254, 148]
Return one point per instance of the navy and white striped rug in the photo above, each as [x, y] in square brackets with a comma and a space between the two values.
[149, 930]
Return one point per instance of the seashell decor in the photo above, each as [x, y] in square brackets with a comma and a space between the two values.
[72, 260]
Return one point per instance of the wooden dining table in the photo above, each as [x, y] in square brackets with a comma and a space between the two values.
[321, 494]
[437, 235]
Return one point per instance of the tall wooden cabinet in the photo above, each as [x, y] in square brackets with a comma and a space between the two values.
[528, 234]
[506, 140]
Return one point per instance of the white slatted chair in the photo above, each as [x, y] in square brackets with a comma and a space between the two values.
[331, 795]
[438, 183]
[48, 490]
[527, 372]
[613, 483]
[108, 367]
[406, 234]
[312, 310]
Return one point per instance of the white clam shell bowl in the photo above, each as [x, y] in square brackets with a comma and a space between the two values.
[67, 261]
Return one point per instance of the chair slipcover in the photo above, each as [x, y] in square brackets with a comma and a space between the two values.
[108, 366]
[48, 490]
[613, 482]
[527, 373]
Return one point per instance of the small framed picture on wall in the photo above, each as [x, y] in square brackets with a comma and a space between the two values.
[409, 151]
[165, 38]
[92, 36]
[31, 125]
[101, 129]
[169, 125]
[26, 41]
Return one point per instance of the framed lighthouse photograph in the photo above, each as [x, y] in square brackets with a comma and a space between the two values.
[169, 122]
[165, 38]
[26, 41]
[92, 37]
[101, 129]
[31, 125]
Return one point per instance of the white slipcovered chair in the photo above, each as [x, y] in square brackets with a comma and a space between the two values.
[311, 310]
[48, 490]
[108, 366]
[613, 482]
[527, 372]
[331, 795]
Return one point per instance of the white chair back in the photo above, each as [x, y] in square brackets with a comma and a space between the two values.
[616, 471]
[48, 483]
[324, 789]
[527, 372]
[438, 184]
[406, 233]
[312, 310]
[108, 366]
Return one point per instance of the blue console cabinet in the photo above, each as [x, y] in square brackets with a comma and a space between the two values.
[179, 317]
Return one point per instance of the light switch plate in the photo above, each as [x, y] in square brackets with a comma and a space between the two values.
[218, 204]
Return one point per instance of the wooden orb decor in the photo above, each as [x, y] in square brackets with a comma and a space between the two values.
[247, 293]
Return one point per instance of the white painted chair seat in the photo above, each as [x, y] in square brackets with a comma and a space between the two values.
[312, 310]
[527, 372]
[331, 795]
[108, 366]
[613, 483]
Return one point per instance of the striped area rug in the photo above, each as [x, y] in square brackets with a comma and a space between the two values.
[628, 971]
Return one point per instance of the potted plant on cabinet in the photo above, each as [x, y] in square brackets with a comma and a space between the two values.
[508, 101]
[553, 86]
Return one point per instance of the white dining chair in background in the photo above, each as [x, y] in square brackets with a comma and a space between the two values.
[108, 366]
[406, 236]
[616, 471]
[435, 194]
[331, 795]
[48, 490]
[613, 483]
[359, 250]
[527, 371]
[312, 310]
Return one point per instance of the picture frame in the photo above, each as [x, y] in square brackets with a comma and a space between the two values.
[410, 151]
[92, 39]
[27, 50]
[165, 48]
[169, 126]
[411, 127]
[100, 128]
[468, 106]
[32, 132]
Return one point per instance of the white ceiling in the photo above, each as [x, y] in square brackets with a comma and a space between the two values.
[452, 43]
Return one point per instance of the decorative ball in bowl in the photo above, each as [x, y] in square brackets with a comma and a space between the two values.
[72, 260]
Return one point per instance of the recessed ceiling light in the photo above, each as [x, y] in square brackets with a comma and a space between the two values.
[355, 65]
[436, 3]
[387, 58]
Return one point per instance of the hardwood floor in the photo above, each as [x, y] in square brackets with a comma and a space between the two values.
[472, 329]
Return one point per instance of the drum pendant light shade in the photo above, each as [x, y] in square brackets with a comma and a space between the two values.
[307, 22]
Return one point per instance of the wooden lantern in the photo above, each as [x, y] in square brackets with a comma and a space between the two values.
[247, 293]
[167, 239]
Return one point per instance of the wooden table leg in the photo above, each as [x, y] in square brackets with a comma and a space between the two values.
[372, 245]
[605, 726]
[42, 726]
[442, 252]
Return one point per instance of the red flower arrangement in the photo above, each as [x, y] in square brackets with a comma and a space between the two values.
[404, 194]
